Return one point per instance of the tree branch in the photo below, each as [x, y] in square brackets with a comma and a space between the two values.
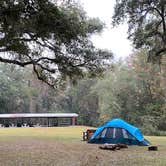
[16, 62]
[41, 78]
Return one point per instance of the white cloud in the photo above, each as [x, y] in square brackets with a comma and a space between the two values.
[113, 39]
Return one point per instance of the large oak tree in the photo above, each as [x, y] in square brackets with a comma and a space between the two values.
[147, 24]
[50, 36]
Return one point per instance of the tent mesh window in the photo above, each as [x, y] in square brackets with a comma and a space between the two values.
[103, 133]
[109, 133]
[118, 133]
[125, 133]
[115, 133]
[130, 136]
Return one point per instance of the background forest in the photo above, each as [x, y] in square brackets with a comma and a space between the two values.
[133, 90]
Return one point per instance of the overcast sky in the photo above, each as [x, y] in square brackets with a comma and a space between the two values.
[112, 39]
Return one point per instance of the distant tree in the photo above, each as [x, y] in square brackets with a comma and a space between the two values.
[15, 94]
[118, 96]
[51, 36]
[150, 83]
[18, 92]
[147, 24]
[82, 100]
[134, 91]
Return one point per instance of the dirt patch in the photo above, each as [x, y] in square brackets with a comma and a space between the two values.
[34, 152]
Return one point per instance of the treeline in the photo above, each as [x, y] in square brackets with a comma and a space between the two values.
[22, 92]
[133, 90]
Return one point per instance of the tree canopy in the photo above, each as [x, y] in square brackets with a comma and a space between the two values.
[147, 24]
[53, 37]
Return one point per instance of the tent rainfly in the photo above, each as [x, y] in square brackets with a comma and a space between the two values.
[119, 131]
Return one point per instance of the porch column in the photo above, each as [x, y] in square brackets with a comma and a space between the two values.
[73, 121]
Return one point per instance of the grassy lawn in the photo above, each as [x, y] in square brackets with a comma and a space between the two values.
[68, 134]
[64, 147]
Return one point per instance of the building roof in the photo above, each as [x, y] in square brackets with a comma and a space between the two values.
[39, 115]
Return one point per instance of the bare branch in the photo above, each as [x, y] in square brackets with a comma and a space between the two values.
[16, 62]
[41, 78]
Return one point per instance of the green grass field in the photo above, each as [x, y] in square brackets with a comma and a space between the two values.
[63, 146]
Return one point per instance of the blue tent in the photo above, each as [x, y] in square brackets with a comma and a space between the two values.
[118, 131]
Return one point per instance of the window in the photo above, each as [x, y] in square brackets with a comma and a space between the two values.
[125, 133]
[109, 133]
[118, 133]
[131, 136]
[103, 133]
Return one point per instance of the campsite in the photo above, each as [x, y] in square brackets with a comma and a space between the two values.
[63, 146]
[82, 83]
[118, 131]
